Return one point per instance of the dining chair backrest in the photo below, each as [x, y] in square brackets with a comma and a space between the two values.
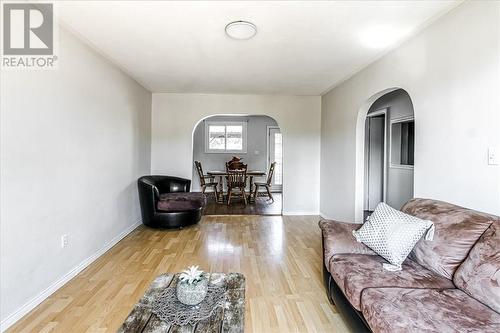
[199, 170]
[237, 178]
[271, 173]
[232, 165]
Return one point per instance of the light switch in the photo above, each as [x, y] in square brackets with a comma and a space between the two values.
[256, 152]
[493, 158]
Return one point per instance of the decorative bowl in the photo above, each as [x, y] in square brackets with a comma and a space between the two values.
[192, 293]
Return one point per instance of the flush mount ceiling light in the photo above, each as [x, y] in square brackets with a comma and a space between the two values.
[241, 30]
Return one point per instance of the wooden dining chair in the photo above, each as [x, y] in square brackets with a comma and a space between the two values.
[206, 180]
[235, 164]
[267, 184]
[231, 165]
[236, 183]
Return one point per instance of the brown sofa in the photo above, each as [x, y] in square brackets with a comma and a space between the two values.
[450, 284]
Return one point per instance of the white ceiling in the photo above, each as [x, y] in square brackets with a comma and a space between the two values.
[301, 48]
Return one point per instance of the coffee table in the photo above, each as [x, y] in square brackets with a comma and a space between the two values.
[231, 318]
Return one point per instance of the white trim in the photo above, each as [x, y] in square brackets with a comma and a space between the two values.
[405, 119]
[299, 213]
[401, 166]
[326, 217]
[31, 304]
[377, 113]
[243, 124]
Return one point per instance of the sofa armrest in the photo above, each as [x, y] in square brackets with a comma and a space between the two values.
[338, 239]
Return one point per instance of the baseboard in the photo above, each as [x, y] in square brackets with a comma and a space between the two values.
[31, 304]
[325, 216]
[287, 213]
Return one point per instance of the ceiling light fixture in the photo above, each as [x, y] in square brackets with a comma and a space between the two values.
[241, 30]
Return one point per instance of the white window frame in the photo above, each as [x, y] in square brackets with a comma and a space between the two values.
[392, 165]
[225, 123]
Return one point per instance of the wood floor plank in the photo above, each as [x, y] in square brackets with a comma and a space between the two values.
[279, 256]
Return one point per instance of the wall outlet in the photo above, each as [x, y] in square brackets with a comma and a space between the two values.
[64, 241]
[493, 156]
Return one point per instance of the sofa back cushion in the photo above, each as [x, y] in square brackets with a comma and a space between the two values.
[457, 229]
[479, 274]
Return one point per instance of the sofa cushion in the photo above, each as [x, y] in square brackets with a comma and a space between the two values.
[356, 272]
[338, 239]
[392, 234]
[181, 201]
[401, 310]
[479, 274]
[457, 229]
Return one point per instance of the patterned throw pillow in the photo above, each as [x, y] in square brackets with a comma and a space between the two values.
[393, 234]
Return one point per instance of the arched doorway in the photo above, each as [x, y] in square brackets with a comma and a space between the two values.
[257, 141]
[387, 146]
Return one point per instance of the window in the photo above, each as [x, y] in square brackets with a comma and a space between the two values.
[402, 143]
[225, 137]
[278, 158]
[274, 151]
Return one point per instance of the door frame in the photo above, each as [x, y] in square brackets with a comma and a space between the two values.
[396, 121]
[381, 112]
[268, 157]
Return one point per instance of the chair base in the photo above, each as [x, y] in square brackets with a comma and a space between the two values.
[241, 194]
[174, 220]
[268, 191]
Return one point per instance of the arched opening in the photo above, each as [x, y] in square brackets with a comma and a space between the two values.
[385, 151]
[256, 141]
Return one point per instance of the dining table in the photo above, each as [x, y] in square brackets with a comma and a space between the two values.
[221, 174]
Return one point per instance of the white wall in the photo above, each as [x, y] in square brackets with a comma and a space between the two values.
[451, 71]
[256, 142]
[73, 142]
[175, 116]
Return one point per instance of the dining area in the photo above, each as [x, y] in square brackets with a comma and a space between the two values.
[236, 187]
[235, 180]
[238, 164]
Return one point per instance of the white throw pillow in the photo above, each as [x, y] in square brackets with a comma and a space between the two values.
[392, 234]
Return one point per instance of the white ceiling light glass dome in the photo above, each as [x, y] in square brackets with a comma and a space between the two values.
[241, 30]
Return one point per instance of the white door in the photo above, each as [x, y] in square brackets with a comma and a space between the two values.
[275, 154]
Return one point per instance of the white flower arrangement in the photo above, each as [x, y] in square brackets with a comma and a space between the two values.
[191, 275]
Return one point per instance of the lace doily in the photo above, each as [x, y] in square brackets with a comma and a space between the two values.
[168, 308]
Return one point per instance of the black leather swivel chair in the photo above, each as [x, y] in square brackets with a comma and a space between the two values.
[153, 189]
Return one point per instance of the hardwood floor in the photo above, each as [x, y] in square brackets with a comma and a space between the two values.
[262, 206]
[280, 257]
